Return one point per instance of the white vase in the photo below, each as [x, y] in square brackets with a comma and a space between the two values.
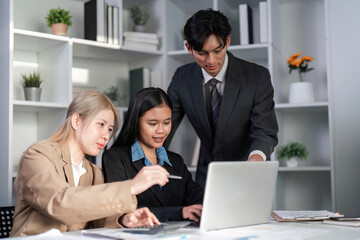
[301, 92]
[292, 162]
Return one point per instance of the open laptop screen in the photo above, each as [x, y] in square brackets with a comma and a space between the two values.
[238, 194]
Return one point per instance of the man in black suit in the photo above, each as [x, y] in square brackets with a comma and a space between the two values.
[242, 123]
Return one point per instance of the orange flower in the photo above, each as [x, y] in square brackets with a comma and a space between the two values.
[296, 63]
[293, 57]
[307, 58]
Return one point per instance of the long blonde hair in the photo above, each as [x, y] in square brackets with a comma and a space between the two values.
[87, 104]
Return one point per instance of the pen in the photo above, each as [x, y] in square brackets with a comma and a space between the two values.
[174, 177]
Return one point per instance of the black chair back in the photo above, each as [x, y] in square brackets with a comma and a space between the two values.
[6, 221]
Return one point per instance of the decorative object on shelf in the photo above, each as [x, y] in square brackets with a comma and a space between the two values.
[139, 18]
[292, 153]
[300, 92]
[112, 93]
[31, 84]
[59, 20]
[183, 38]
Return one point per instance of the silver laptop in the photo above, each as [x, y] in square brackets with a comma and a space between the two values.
[238, 194]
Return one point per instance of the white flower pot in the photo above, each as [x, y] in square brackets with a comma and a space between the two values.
[292, 162]
[301, 92]
[139, 28]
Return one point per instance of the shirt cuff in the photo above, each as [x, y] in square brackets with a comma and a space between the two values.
[258, 152]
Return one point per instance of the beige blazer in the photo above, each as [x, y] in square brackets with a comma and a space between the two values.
[47, 197]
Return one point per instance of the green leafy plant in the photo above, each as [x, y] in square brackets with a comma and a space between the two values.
[31, 80]
[58, 15]
[112, 93]
[182, 34]
[139, 16]
[293, 149]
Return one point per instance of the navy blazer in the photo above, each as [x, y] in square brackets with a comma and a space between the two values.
[246, 119]
[165, 202]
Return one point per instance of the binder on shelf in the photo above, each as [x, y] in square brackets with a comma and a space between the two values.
[155, 78]
[246, 24]
[94, 20]
[139, 79]
[110, 29]
[116, 25]
[144, 77]
[263, 21]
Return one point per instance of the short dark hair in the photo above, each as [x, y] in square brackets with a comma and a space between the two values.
[144, 100]
[203, 24]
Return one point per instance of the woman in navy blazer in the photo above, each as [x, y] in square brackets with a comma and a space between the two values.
[140, 143]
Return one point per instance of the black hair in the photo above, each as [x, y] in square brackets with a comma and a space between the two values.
[203, 24]
[144, 100]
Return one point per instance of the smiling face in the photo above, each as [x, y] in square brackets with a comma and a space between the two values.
[93, 136]
[154, 127]
[212, 56]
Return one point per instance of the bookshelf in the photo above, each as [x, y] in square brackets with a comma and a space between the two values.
[71, 63]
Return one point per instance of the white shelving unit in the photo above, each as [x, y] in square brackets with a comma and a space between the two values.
[72, 63]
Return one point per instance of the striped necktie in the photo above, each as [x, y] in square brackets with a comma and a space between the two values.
[215, 100]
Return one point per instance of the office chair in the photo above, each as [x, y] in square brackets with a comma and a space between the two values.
[6, 221]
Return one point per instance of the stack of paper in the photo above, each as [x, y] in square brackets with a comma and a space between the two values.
[141, 40]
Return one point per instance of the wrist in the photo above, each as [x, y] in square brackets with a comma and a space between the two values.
[181, 213]
[120, 221]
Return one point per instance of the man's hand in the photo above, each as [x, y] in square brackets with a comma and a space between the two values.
[193, 212]
[147, 177]
[255, 157]
[140, 217]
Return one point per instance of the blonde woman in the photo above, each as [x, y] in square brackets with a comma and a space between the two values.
[58, 188]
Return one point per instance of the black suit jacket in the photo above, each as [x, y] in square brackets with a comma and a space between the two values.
[165, 202]
[246, 120]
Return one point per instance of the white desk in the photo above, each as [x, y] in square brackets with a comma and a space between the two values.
[271, 231]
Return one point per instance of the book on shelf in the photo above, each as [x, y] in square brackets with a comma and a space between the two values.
[140, 35]
[110, 30]
[140, 45]
[142, 78]
[143, 40]
[94, 20]
[155, 78]
[126, 20]
[116, 18]
[263, 22]
[246, 24]
[139, 79]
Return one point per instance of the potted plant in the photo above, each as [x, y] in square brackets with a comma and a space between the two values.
[139, 18]
[183, 38]
[32, 86]
[292, 153]
[58, 19]
[112, 93]
[300, 92]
